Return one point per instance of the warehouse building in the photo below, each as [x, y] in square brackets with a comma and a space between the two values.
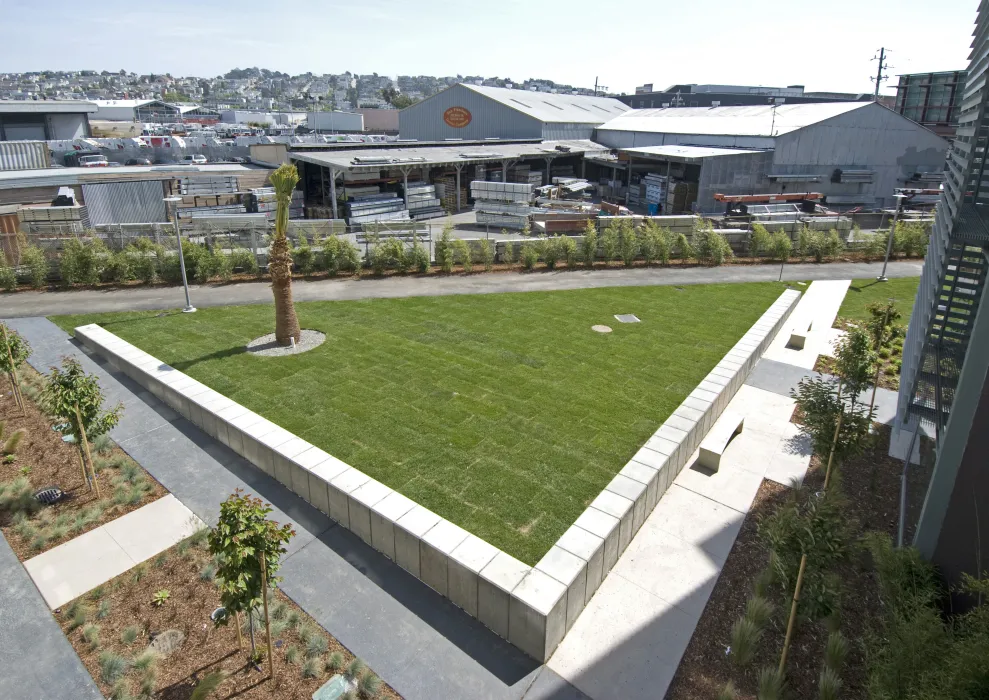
[854, 153]
[335, 122]
[693, 95]
[473, 112]
[153, 111]
[44, 120]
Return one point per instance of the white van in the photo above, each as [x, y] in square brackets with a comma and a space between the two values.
[196, 159]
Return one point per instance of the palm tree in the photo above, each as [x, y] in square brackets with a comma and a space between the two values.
[283, 180]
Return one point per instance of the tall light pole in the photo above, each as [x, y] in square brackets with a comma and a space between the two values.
[173, 204]
[892, 232]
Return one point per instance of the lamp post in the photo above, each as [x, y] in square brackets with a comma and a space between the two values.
[892, 232]
[173, 206]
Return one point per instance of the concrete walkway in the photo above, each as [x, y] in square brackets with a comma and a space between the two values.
[628, 641]
[23, 304]
[420, 643]
[36, 660]
[65, 572]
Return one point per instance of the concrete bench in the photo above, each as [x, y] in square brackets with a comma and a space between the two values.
[798, 338]
[714, 444]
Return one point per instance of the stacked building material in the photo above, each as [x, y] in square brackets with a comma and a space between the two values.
[680, 196]
[207, 184]
[446, 192]
[655, 190]
[423, 202]
[44, 219]
[503, 205]
[187, 213]
[535, 178]
[561, 171]
[382, 206]
[261, 200]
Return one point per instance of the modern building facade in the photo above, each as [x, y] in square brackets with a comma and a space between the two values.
[151, 111]
[854, 153]
[946, 350]
[932, 99]
[44, 120]
[473, 112]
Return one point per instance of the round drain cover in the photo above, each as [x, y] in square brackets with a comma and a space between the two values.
[601, 329]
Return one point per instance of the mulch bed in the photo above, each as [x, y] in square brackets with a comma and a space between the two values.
[45, 460]
[889, 373]
[127, 602]
[871, 483]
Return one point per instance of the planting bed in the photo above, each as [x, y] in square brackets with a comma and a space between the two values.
[43, 459]
[505, 414]
[871, 483]
[126, 619]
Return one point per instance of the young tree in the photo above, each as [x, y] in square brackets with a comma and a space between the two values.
[14, 351]
[75, 397]
[248, 548]
[287, 328]
[589, 245]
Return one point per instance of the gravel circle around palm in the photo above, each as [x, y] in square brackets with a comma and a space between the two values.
[267, 346]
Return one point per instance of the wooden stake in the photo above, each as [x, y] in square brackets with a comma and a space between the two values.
[267, 621]
[240, 634]
[834, 443]
[793, 613]
[84, 443]
[18, 398]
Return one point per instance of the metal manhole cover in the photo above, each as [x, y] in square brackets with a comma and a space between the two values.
[50, 495]
[627, 318]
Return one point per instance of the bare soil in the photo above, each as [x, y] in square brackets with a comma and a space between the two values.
[127, 600]
[45, 460]
[871, 483]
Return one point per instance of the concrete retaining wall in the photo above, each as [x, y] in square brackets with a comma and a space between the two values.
[531, 607]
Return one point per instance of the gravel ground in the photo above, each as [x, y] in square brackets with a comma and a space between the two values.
[267, 347]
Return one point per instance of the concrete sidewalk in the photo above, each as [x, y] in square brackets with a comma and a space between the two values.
[23, 304]
[420, 643]
[65, 572]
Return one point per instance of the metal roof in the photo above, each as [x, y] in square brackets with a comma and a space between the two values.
[449, 154]
[47, 107]
[751, 120]
[124, 103]
[686, 154]
[555, 107]
[49, 177]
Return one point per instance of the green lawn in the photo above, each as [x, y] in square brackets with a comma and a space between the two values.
[869, 291]
[504, 413]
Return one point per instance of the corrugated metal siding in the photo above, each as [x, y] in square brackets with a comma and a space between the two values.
[138, 202]
[24, 155]
[489, 118]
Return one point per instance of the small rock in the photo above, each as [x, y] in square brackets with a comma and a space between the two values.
[167, 642]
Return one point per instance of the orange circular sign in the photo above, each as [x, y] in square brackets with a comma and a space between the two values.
[457, 117]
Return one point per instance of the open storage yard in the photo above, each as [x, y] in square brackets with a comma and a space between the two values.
[505, 414]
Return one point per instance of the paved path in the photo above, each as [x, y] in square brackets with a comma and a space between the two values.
[65, 572]
[146, 298]
[417, 641]
[36, 660]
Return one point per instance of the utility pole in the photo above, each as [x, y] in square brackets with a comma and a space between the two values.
[598, 87]
[879, 73]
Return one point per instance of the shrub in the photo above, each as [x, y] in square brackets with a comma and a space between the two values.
[348, 257]
[828, 685]
[835, 651]
[103, 610]
[910, 238]
[609, 241]
[759, 611]
[628, 243]
[8, 278]
[712, 247]
[487, 253]
[244, 260]
[728, 692]
[208, 685]
[304, 257]
[117, 268]
[874, 244]
[682, 246]
[146, 660]
[369, 686]
[528, 255]
[760, 240]
[745, 637]
[91, 635]
[355, 670]
[818, 400]
[130, 634]
[82, 263]
[160, 597]
[589, 245]
[334, 664]
[804, 236]
[772, 684]
[551, 252]
[316, 645]
[386, 254]
[780, 246]
[568, 251]
[823, 245]
[311, 668]
[112, 667]
[208, 572]
[292, 654]
[444, 249]
[463, 255]
[10, 445]
[35, 266]
[508, 253]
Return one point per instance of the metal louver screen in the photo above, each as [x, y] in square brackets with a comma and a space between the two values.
[138, 202]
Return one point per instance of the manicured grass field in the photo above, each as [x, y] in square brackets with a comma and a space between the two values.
[504, 413]
[869, 291]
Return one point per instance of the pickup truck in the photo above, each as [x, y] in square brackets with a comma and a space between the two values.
[93, 162]
[194, 159]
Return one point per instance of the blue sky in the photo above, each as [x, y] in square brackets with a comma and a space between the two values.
[822, 45]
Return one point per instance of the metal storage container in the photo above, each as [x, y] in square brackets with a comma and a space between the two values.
[24, 155]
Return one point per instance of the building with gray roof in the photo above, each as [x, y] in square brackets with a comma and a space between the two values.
[472, 112]
[44, 120]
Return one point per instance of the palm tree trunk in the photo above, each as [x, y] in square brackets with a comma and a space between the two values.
[287, 328]
[286, 322]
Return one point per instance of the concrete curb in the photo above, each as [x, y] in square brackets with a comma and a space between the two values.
[532, 607]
